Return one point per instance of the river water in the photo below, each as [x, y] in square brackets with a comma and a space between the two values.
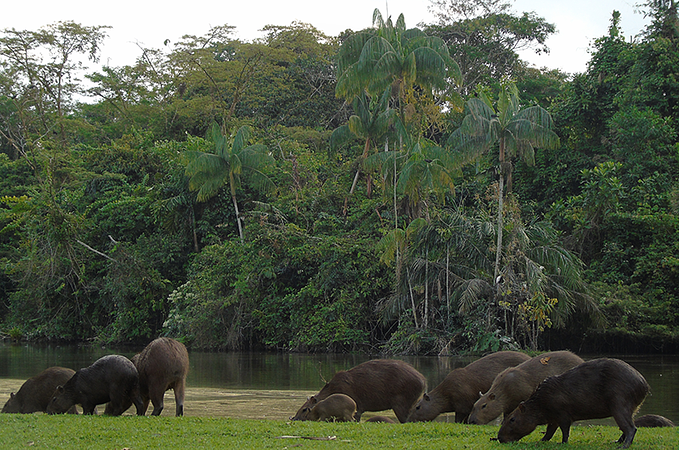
[273, 385]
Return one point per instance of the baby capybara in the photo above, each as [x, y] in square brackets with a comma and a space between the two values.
[375, 385]
[337, 408]
[111, 379]
[36, 392]
[652, 421]
[381, 419]
[460, 389]
[515, 384]
[162, 366]
[593, 390]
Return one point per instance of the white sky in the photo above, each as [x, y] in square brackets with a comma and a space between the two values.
[151, 22]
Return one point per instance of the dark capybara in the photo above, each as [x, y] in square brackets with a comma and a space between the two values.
[460, 389]
[375, 385]
[652, 421]
[111, 379]
[381, 419]
[337, 408]
[593, 390]
[515, 384]
[162, 366]
[36, 392]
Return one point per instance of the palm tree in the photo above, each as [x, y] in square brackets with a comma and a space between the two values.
[370, 122]
[232, 159]
[391, 56]
[516, 132]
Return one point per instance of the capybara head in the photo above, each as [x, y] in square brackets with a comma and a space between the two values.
[519, 424]
[486, 408]
[61, 401]
[303, 412]
[13, 405]
[425, 410]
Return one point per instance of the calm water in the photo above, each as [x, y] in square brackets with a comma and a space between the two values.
[281, 371]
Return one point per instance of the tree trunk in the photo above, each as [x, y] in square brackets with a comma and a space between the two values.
[235, 207]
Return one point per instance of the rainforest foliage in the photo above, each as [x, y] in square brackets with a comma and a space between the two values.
[393, 189]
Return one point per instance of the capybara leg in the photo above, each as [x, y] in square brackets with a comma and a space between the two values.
[157, 395]
[626, 425]
[565, 431]
[179, 398]
[551, 429]
[88, 409]
[401, 414]
[139, 404]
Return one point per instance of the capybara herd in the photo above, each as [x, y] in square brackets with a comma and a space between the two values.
[553, 389]
[113, 380]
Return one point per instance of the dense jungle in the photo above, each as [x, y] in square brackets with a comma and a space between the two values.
[393, 190]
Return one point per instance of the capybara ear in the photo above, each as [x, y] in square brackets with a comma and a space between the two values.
[491, 397]
[11, 395]
[522, 407]
[313, 400]
[480, 394]
[426, 397]
[60, 389]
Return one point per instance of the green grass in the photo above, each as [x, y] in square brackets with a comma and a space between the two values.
[136, 433]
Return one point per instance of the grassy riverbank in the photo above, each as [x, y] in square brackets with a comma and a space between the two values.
[136, 433]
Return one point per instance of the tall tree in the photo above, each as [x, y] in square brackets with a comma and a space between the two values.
[391, 55]
[231, 160]
[515, 132]
[44, 66]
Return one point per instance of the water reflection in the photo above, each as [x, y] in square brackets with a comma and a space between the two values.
[283, 371]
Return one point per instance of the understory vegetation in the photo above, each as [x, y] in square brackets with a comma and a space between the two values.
[390, 190]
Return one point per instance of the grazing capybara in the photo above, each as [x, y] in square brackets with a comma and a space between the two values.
[652, 421]
[381, 419]
[111, 379]
[460, 389]
[36, 392]
[162, 366]
[515, 384]
[593, 390]
[337, 408]
[375, 385]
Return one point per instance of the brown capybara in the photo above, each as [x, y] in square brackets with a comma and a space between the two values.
[335, 408]
[36, 392]
[381, 419]
[111, 379]
[375, 385]
[515, 384]
[162, 366]
[460, 389]
[593, 390]
[652, 421]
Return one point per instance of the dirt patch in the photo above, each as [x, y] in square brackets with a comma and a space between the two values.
[211, 402]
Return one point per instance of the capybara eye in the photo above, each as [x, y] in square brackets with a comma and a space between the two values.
[417, 407]
[484, 405]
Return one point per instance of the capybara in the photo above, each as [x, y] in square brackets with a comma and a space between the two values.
[593, 390]
[515, 384]
[375, 385]
[337, 408]
[652, 421]
[111, 379]
[460, 389]
[36, 392]
[162, 366]
[381, 419]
